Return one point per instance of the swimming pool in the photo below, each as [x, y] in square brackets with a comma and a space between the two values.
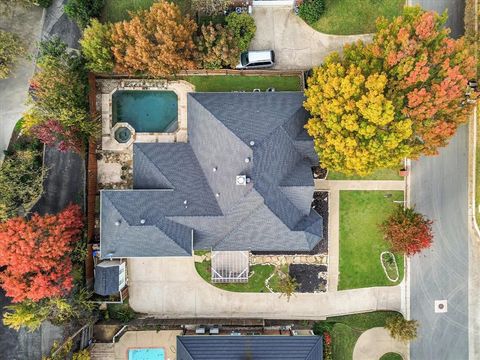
[146, 110]
[146, 354]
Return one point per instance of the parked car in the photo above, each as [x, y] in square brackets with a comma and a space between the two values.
[256, 59]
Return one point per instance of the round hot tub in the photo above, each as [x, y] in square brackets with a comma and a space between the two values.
[123, 134]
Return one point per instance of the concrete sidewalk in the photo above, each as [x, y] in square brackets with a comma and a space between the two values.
[172, 288]
[359, 185]
[375, 342]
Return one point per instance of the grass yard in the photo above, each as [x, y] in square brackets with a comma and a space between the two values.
[361, 242]
[391, 356]
[347, 17]
[256, 283]
[345, 330]
[219, 83]
[381, 174]
[117, 10]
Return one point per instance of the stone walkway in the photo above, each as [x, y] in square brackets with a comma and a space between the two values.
[359, 185]
[171, 288]
[375, 342]
[296, 44]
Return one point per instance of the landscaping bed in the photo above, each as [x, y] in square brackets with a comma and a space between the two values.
[224, 83]
[319, 172]
[345, 330]
[256, 281]
[361, 239]
[348, 17]
[117, 10]
[310, 278]
[320, 204]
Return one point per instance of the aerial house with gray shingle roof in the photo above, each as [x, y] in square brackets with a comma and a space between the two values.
[243, 182]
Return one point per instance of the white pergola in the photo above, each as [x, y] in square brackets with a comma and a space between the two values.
[230, 266]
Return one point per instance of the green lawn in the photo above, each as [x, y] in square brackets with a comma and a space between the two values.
[117, 10]
[345, 330]
[219, 83]
[361, 242]
[381, 174]
[391, 356]
[256, 283]
[346, 17]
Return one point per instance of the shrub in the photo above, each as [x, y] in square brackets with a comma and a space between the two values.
[82, 11]
[401, 329]
[96, 46]
[408, 231]
[210, 7]
[311, 10]
[10, 49]
[243, 28]
[121, 312]
[217, 47]
[21, 183]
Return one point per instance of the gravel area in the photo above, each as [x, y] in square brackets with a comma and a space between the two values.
[319, 172]
[320, 204]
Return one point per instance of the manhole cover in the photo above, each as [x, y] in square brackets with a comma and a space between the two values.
[441, 306]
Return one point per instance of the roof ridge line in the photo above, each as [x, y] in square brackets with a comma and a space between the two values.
[155, 165]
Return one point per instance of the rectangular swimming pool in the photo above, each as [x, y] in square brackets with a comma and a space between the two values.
[146, 110]
[146, 354]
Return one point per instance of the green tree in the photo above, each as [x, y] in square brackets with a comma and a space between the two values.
[287, 285]
[401, 329]
[217, 47]
[243, 28]
[21, 183]
[10, 50]
[352, 122]
[96, 46]
[82, 11]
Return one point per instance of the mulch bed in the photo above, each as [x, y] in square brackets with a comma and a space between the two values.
[319, 173]
[310, 278]
[320, 204]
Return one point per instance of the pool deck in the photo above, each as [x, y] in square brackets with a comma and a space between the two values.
[104, 102]
[147, 339]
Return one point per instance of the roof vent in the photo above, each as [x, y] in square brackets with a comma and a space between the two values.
[117, 223]
[185, 202]
[142, 221]
[217, 195]
[252, 142]
[215, 169]
[241, 180]
[248, 180]
[247, 160]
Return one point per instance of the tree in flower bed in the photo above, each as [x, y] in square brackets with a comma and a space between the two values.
[402, 95]
[401, 329]
[311, 10]
[36, 254]
[158, 41]
[217, 47]
[408, 231]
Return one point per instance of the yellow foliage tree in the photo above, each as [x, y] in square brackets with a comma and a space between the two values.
[352, 120]
[157, 41]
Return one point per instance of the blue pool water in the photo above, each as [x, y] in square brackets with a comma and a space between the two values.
[145, 110]
[146, 354]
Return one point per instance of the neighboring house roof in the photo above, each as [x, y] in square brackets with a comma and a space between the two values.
[106, 280]
[185, 187]
[249, 347]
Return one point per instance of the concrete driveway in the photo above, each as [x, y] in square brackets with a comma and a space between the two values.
[375, 342]
[26, 22]
[296, 44]
[172, 288]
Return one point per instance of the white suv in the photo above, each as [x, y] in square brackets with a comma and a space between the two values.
[256, 59]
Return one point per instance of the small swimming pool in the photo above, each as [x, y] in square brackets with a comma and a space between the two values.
[146, 110]
[146, 354]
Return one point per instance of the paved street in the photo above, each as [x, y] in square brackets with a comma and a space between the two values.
[439, 190]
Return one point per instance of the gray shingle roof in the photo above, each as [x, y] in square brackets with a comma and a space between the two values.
[177, 191]
[249, 347]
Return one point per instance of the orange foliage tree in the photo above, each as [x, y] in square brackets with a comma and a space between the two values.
[36, 253]
[158, 41]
